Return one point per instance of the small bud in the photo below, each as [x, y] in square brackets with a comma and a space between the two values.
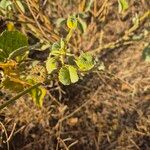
[72, 22]
[10, 26]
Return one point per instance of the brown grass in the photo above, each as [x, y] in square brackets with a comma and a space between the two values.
[107, 110]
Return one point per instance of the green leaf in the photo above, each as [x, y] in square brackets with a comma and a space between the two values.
[72, 22]
[146, 53]
[123, 5]
[68, 74]
[5, 4]
[71, 60]
[82, 25]
[58, 48]
[2, 55]
[55, 49]
[64, 76]
[85, 62]
[11, 41]
[73, 74]
[18, 52]
[38, 95]
[60, 22]
[51, 65]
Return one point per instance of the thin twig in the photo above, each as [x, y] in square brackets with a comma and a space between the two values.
[64, 144]
[72, 144]
[74, 112]
[36, 19]
[124, 40]
[5, 134]
[12, 131]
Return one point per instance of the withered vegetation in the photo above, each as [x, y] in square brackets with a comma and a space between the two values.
[108, 109]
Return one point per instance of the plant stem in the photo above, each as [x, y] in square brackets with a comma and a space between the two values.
[69, 35]
[19, 95]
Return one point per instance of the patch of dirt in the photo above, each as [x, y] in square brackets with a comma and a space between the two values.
[118, 109]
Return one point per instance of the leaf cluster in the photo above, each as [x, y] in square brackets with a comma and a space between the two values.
[67, 66]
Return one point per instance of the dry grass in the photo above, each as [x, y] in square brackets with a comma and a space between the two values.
[108, 110]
